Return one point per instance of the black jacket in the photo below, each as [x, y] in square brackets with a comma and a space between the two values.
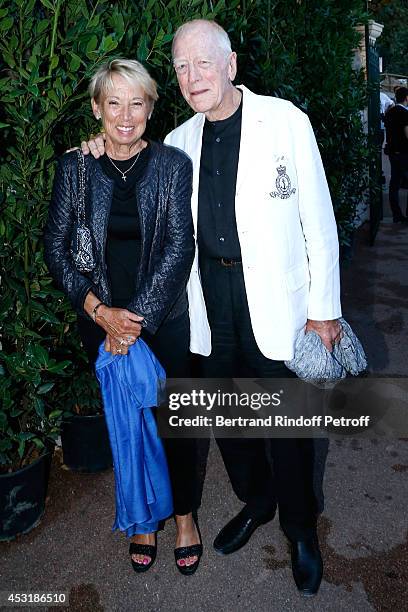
[167, 250]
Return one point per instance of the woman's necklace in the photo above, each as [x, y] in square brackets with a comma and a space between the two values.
[126, 171]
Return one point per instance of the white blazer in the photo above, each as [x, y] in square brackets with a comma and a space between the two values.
[285, 222]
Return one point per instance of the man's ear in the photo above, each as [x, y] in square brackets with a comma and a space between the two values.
[232, 66]
[95, 109]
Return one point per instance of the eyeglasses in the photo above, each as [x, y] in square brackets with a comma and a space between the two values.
[181, 67]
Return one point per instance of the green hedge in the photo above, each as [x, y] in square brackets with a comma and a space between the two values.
[300, 50]
[393, 42]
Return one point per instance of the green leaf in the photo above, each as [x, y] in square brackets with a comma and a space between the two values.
[108, 44]
[47, 4]
[21, 448]
[119, 24]
[54, 62]
[39, 407]
[13, 44]
[48, 151]
[53, 97]
[6, 23]
[15, 412]
[9, 59]
[92, 44]
[75, 62]
[39, 354]
[45, 388]
[94, 21]
[26, 436]
[34, 90]
[142, 49]
[58, 367]
[42, 26]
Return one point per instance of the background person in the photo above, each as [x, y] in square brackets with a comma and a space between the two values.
[385, 104]
[138, 212]
[396, 125]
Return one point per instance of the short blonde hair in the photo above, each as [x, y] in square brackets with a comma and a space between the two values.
[131, 70]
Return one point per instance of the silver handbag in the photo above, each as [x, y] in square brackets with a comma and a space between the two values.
[314, 363]
[81, 244]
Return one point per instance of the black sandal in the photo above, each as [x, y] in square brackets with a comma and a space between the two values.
[142, 549]
[195, 550]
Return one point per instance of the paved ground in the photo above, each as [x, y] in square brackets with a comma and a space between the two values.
[363, 530]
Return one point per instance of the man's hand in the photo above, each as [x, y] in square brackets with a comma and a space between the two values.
[95, 145]
[330, 332]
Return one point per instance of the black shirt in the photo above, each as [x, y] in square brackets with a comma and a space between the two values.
[217, 229]
[123, 239]
[396, 119]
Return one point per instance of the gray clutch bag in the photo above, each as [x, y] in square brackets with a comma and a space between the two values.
[314, 363]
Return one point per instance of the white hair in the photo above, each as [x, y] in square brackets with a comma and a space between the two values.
[131, 70]
[223, 41]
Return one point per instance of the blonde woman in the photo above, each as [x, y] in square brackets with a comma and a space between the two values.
[137, 201]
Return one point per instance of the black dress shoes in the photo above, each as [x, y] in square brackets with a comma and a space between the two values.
[237, 532]
[307, 566]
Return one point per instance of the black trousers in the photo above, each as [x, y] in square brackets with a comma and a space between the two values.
[170, 344]
[399, 172]
[263, 473]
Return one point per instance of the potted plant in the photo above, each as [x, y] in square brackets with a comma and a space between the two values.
[84, 435]
[29, 424]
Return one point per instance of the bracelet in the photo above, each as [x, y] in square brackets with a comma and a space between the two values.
[95, 310]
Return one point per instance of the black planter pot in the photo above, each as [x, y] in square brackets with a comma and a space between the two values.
[85, 443]
[22, 497]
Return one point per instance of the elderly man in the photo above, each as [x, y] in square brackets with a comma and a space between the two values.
[266, 266]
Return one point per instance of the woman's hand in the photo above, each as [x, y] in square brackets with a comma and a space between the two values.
[122, 327]
[111, 346]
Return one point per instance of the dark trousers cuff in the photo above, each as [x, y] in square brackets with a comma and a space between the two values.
[299, 531]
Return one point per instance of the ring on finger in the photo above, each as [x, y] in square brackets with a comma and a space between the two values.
[122, 342]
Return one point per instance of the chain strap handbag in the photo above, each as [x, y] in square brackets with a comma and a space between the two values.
[81, 244]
